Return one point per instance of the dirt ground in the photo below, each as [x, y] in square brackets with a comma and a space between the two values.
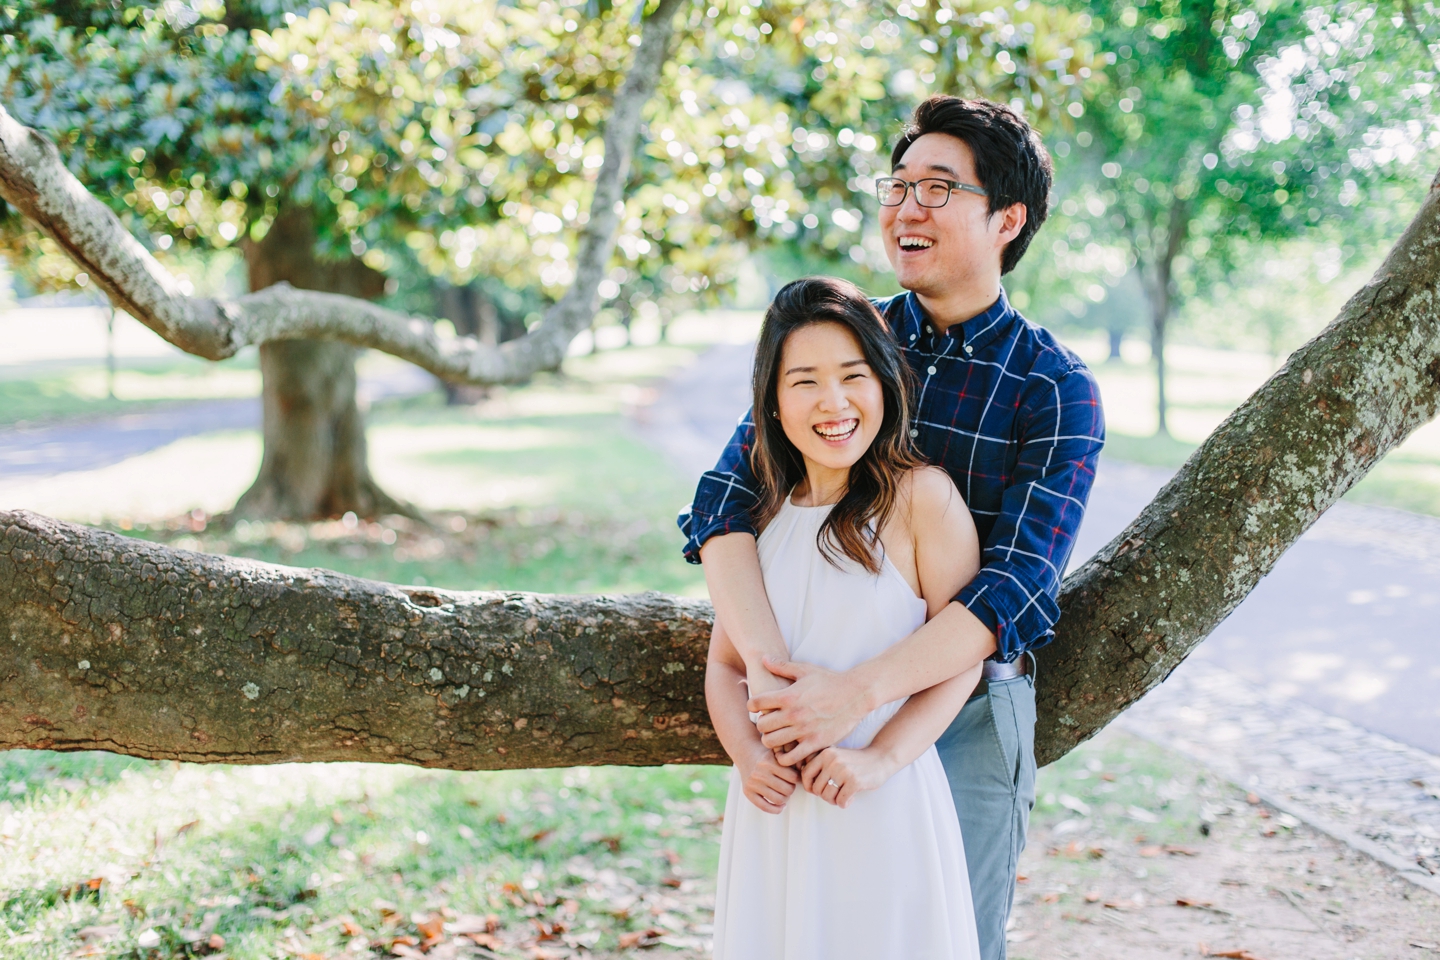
[1134, 855]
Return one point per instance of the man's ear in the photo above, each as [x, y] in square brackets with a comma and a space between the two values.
[1012, 221]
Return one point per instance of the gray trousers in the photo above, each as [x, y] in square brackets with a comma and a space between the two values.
[988, 753]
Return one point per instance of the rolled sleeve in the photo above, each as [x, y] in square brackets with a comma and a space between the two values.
[1016, 592]
[724, 495]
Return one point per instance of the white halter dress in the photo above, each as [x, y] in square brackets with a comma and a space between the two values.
[883, 878]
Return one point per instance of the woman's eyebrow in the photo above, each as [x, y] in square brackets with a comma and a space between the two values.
[848, 363]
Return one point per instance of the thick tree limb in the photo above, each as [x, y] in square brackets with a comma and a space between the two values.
[1340, 403]
[123, 645]
[34, 179]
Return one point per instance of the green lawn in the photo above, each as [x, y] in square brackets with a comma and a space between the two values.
[552, 491]
[53, 392]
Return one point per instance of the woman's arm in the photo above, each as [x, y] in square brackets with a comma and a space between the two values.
[947, 555]
[766, 783]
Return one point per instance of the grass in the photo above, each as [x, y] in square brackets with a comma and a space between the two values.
[542, 488]
[48, 393]
[121, 857]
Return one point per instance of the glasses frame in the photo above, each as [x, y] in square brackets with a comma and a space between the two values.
[913, 186]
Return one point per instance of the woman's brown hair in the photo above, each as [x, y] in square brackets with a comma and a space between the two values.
[853, 526]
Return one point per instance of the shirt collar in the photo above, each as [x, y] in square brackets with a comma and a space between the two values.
[974, 333]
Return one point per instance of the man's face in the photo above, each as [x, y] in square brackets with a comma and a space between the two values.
[934, 250]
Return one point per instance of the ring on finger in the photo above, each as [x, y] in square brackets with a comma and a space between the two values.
[832, 783]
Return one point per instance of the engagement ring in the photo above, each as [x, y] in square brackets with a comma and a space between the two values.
[833, 783]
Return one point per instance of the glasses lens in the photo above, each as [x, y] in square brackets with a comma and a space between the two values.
[890, 191]
[932, 193]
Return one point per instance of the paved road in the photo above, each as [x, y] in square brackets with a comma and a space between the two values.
[1346, 622]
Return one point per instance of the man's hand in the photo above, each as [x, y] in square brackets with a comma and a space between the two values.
[766, 783]
[835, 775]
[816, 711]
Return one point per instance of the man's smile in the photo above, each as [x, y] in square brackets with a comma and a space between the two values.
[909, 242]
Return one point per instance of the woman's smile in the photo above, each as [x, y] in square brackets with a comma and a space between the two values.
[837, 432]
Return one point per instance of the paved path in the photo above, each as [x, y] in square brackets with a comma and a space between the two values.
[93, 443]
[1321, 691]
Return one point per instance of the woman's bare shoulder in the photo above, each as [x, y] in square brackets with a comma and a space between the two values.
[931, 493]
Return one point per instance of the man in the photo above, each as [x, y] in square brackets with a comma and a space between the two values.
[1014, 418]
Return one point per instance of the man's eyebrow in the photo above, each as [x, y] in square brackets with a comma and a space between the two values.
[934, 168]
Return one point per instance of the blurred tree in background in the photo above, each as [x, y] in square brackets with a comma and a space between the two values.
[1223, 131]
[443, 149]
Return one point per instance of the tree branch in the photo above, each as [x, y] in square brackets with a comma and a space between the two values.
[123, 645]
[1341, 402]
[34, 179]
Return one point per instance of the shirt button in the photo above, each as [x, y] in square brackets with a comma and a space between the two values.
[969, 349]
[929, 330]
[930, 370]
[914, 433]
[912, 336]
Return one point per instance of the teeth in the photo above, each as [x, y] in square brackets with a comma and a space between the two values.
[915, 243]
[837, 431]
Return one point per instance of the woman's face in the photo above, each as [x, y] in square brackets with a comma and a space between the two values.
[830, 401]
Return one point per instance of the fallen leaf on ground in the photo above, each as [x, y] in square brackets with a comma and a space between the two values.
[432, 928]
[1174, 850]
[1092, 896]
[1422, 944]
[1189, 902]
[1230, 954]
[641, 938]
[1150, 851]
[351, 928]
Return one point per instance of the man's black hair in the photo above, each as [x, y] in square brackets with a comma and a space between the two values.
[1010, 161]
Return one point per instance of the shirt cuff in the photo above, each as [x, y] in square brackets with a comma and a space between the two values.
[1018, 622]
[700, 527]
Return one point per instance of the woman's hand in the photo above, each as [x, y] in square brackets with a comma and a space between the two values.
[836, 774]
[766, 782]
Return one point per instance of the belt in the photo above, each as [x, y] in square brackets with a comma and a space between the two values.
[995, 670]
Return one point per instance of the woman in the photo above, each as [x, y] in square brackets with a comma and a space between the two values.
[860, 543]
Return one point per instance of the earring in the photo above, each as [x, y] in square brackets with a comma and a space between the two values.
[775, 414]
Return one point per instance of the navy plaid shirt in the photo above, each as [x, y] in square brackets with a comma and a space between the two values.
[1014, 418]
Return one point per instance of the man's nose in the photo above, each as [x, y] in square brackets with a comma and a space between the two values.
[910, 210]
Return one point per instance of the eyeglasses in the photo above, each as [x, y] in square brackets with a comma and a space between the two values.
[930, 192]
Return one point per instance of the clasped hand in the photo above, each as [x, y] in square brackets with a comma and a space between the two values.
[817, 710]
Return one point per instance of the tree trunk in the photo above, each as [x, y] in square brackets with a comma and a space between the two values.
[1117, 338]
[314, 463]
[1160, 291]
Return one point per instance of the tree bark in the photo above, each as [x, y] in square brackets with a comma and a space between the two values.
[123, 645]
[314, 463]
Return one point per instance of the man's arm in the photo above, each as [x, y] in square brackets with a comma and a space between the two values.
[1008, 608]
[720, 536]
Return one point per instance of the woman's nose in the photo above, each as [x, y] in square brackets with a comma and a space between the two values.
[834, 399]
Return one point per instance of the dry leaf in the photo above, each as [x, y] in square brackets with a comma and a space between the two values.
[641, 938]
[1092, 896]
[432, 928]
[1051, 897]
[216, 942]
[1229, 954]
[1179, 851]
[1151, 851]
[1190, 902]
[351, 928]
